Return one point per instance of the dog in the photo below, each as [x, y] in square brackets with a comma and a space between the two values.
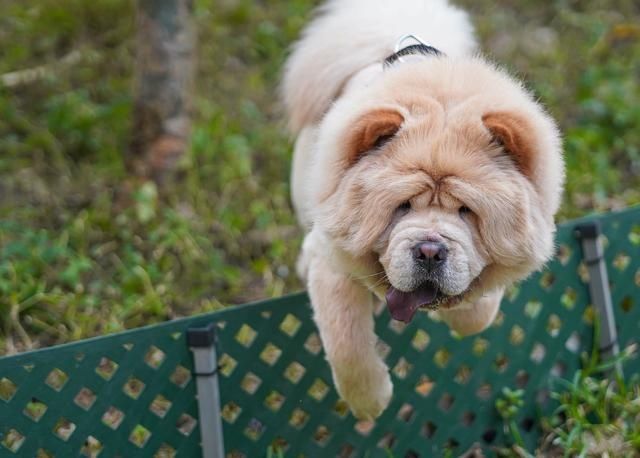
[423, 175]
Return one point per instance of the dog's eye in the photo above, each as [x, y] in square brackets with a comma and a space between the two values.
[404, 207]
[382, 140]
[464, 211]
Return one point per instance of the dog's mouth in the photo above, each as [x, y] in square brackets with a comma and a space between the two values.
[404, 305]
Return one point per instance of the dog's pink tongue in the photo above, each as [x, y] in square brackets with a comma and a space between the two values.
[403, 306]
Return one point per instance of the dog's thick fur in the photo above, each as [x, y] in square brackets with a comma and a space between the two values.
[448, 149]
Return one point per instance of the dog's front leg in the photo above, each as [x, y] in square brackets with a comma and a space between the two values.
[474, 318]
[343, 312]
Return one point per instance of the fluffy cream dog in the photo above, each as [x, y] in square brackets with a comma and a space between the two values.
[427, 179]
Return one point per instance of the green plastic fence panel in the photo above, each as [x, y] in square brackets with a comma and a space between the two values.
[622, 253]
[132, 394]
[126, 395]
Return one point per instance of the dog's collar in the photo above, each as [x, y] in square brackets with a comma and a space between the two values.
[419, 47]
[408, 47]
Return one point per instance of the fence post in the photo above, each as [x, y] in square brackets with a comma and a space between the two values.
[202, 342]
[593, 255]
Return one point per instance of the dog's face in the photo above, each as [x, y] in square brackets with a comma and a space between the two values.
[448, 185]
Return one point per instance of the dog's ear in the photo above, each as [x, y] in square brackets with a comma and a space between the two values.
[513, 133]
[372, 131]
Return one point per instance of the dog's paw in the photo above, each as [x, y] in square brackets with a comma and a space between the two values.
[367, 391]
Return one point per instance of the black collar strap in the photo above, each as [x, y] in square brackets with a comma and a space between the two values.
[420, 48]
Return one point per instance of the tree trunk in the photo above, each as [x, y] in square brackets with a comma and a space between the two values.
[164, 74]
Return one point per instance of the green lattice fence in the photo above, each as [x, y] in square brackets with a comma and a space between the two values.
[622, 241]
[133, 394]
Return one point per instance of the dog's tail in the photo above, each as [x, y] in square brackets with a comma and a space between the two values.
[349, 35]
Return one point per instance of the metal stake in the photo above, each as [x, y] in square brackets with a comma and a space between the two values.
[593, 255]
[202, 342]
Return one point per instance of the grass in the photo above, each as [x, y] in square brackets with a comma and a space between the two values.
[597, 414]
[71, 263]
[74, 264]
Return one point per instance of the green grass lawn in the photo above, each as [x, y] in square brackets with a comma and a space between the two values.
[73, 265]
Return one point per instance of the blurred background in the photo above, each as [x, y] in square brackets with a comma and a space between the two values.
[90, 244]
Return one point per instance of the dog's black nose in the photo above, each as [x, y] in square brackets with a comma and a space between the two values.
[430, 254]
